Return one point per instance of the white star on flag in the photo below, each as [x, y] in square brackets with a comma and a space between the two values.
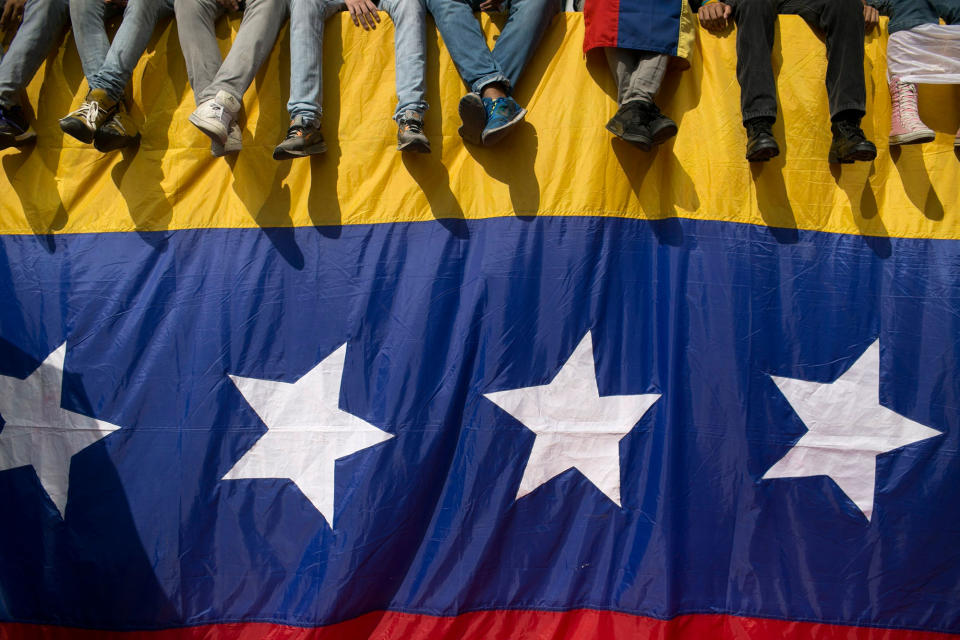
[575, 428]
[39, 432]
[847, 428]
[306, 431]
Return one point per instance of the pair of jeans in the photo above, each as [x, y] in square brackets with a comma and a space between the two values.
[42, 25]
[107, 65]
[639, 74]
[842, 23]
[527, 21]
[307, 18]
[207, 70]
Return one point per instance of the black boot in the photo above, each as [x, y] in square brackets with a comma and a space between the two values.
[761, 145]
[630, 124]
[849, 142]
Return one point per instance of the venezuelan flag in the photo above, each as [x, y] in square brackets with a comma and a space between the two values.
[557, 389]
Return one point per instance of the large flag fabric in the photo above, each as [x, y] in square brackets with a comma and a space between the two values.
[661, 26]
[559, 389]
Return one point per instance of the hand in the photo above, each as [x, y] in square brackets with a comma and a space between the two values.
[363, 13]
[12, 14]
[870, 16]
[229, 5]
[490, 5]
[714, 16]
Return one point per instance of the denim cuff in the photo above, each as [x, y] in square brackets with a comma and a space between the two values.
[490, 79]
[850, 106]
[758, 114]
[419, 107]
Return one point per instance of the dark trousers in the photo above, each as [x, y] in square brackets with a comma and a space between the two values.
[842, 23]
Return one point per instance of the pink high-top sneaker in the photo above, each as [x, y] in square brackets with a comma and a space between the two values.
[905, 125]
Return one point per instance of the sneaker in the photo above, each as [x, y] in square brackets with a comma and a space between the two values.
[214, 116]
[303, 139]
[905, 124]
[83, 122]
[502, 115]
[474, 117]
[761, 145]
[116, 133]
[15, 130]
[233, 144]
[850, 144]
[661, 127]
[410, 136]
[629, 125]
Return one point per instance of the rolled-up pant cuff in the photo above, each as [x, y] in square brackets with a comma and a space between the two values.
[479, 85]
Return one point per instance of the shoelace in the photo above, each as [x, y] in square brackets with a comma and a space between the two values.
[850, 130]
[90, 112]
[414, 126]
[905, 97]
[218, 111]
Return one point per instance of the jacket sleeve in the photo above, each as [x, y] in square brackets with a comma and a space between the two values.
[885, 7]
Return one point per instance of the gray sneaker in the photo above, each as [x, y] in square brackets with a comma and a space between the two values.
[303, 139]
[410, 136]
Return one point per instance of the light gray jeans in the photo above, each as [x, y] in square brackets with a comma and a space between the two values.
[39, 30]
[107, 65]
[639, 74]
[307, 18]
[208, 72]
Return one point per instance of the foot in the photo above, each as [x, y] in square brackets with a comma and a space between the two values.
[661, 127]
[850, 144]
[233, 144]
[629, 125]
[303, 139]
[474, 117]
[116, 133]
[15, 129]
[410, 136]
[503, 114]
[761, 145]
[214, 116]
[83, 122]
[905, 124]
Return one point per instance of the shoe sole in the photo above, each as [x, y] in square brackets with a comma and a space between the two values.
[642, 143]
[763, 154]
[214, 133]
[664, 133]
[286, 154]
[473, 115]
[857, 156]
[918, 137]
[76, 130]
[414, 146]
[493, 136]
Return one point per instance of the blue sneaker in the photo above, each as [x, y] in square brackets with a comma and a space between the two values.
[502, 115]
[15, 131]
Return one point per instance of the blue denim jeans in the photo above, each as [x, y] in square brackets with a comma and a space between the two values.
[107, 65]
[527, 21]
[307, 18]
[39, 30]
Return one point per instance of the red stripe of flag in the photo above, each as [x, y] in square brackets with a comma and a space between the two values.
[496, 625]
[602, 20]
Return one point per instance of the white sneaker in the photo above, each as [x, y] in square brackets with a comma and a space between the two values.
[215, 116]
[233, 144]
